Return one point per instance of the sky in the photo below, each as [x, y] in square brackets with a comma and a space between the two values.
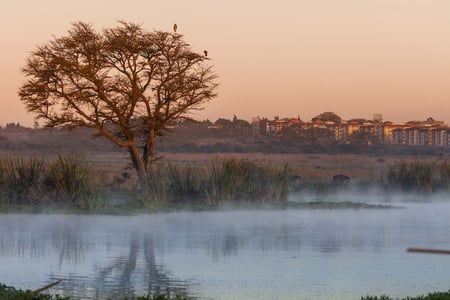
[284, 58]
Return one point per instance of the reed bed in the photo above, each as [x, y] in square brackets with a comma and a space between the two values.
[419, 175]
[68, 180]
[22, 180]
[232, 180]
[227, 180]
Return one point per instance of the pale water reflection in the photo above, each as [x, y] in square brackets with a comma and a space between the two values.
[279, 254]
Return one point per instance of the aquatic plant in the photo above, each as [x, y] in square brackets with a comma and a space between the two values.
[184, 180]
[221, 181]
[70, 180]
[23, 180]
[231, 180]
[443, 170]
[419, 175]
[414, 175]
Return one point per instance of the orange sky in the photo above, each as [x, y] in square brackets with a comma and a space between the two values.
[285, 57]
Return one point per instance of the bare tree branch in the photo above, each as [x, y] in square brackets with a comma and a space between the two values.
[125, 82]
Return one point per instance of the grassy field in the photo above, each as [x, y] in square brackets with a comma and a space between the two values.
[198, 178]
[321, 167]
[307, 166]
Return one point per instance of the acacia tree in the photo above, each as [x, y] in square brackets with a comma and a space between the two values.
[125, 82]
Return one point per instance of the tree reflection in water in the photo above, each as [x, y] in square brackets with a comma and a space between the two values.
[222, 246]
[126, 276]
[67, 248]
[69, 243]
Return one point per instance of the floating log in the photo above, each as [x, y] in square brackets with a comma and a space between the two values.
[431, 251]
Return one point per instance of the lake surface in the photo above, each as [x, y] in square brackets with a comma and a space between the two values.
[278, 254]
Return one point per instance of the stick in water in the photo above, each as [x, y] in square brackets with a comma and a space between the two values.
[47, 287]
[432, 251]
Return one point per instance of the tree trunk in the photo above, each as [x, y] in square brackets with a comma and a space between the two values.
[149, 149]
[139, 166]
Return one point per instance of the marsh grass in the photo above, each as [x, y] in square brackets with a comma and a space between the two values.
[226, 180]
[68, 180]
[419, 175]
[23, 180]
[232, 180]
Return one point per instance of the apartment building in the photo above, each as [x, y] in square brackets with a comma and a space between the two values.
[421, 133]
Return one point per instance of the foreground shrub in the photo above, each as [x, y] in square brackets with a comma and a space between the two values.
[430, 296]
[10, 293]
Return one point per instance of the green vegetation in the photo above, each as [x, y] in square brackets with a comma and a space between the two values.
[10, 293]
[417, 175]
[221, 181]
[67, 181]
[430, 296]
[70, 182]
[233, 180]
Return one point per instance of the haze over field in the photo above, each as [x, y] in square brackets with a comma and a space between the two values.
[287, 58]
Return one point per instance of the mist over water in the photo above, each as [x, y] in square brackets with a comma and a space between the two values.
[246, 254]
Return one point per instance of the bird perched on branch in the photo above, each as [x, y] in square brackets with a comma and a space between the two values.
[205, 52]
[175, 27]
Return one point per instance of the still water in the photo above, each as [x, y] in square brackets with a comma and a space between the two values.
[277, 254]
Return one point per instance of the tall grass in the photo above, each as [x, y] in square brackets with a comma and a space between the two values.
[24, 180]
[68, 180]
[417, 175]
[231, 180]
[221, 181]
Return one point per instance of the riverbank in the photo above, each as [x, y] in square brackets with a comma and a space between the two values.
[164, 208]
[75, 183]
[10, 293]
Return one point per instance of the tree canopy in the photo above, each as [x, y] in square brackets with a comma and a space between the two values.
[328, 117]
[125, 82]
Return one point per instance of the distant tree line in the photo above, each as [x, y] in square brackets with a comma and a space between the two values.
[222, 136]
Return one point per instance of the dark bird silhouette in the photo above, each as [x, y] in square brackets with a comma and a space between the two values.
[175, 27]
[205, 52]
